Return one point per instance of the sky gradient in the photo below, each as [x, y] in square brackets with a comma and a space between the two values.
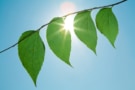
[111, 69]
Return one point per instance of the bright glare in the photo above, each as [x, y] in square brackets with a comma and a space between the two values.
[66, 8]
[69, 23]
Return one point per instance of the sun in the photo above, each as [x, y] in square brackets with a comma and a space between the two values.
[68, 23]
[66, 8]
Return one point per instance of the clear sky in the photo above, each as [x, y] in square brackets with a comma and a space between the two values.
[111, 69]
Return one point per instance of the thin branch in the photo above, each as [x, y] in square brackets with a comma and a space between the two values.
[110, 5]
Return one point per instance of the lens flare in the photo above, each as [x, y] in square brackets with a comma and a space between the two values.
[66, 8]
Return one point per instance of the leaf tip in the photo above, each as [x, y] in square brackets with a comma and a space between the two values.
[95, 53]
[35, 84]
[34, 81]
[69, 64]
[94, 50]
[113, 44]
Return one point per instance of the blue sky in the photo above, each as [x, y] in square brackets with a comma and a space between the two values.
[111, 69]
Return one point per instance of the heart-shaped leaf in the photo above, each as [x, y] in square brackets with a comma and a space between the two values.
[31, 52]
[59, 39]
[85, 29]
[107, 24]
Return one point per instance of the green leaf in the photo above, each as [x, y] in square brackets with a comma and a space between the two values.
[107, 24]
[59, 39]
[31, 51]
[85, 29]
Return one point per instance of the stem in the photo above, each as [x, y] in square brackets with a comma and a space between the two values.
[110, 5]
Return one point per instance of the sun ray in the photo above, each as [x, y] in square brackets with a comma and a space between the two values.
[68, 23]
[68, 7]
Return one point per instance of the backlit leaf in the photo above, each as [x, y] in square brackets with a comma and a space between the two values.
[107, 24]
[85, 29]
[31, 53]
[59, 39]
